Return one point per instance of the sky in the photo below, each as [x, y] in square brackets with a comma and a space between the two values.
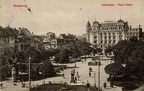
[68, 16]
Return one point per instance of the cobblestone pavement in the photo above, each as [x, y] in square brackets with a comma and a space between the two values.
[83, 70]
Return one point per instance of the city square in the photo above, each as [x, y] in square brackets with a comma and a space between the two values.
[71, 45]
[83, 70]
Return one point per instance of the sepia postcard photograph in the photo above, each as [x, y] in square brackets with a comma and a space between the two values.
[71, 45]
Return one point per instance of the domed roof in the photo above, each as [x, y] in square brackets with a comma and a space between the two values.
[88, 23]
[120, 20]
[95, 21]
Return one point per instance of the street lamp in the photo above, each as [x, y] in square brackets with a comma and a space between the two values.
[95, 80]
[99, 72]
[29, 72]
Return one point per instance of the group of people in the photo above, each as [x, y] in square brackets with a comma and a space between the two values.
[76, 77]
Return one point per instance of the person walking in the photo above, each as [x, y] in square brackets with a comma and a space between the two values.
[77, 75]
[75, 78]
[111, 84]
[75, 65]
[104, 84]
[63, 76]
[88, 85]
[89, 74]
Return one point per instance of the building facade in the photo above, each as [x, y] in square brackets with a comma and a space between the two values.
[108, 33]
[50, 41]
[7, 38]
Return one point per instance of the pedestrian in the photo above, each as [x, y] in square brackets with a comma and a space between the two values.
[77, 73]
[88, 84]
[90, 69]
[23, 85]
[78, 77]
[22, 82]
[75, 78]
[104, 84]
[89, 74]
[1, 84]
[111, 84]
[63, 76]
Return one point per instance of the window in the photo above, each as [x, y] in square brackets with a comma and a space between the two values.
[95, 37]
[101, 42]
[114, 41]
[95, 41]
[114, 37]
[109, 41]
[105, 42]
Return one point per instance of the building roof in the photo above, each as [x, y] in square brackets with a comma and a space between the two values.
[66, 37]
[88, 24]
[120, 20]
[95, 21]
[6, 32]
[26, 32]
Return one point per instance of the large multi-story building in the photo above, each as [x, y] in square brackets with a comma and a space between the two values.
[108, 33]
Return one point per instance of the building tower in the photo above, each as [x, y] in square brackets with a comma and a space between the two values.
[88, 29]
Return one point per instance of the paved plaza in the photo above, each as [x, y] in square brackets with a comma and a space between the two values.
[83, 70]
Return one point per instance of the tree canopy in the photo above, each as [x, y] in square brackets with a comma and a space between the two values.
[131, 53]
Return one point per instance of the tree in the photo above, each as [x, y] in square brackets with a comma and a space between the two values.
[62, 56]
[108, 51]
[131, 53]
[114, 69]
[34, 53]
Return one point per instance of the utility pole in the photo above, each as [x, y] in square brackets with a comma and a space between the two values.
[99, 73]
[94, 79]
[29, 73]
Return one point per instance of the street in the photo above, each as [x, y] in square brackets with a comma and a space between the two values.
[83, 70]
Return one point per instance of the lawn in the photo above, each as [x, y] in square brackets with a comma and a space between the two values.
[58, 87]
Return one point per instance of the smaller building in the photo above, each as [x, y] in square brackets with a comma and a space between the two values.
[24, 39]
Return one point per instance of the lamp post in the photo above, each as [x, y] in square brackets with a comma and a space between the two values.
[99, 72]
[29, 73]
[95, 80]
